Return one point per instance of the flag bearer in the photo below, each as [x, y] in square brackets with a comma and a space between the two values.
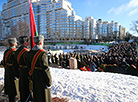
[40, 73]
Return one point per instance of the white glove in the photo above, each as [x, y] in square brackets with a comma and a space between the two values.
[48, 87]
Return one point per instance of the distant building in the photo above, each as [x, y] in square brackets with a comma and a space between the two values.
[90, 28]
[56, 20]
[111, 30]
[122, 32]
[0, 27]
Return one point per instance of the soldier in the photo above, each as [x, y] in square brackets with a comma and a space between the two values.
[8, 61]
[20, 57]
[40, 73]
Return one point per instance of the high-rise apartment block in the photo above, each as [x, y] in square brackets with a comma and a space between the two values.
[56, 19]
[111, 30]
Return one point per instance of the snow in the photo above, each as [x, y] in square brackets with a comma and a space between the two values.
[81, 86]
[1, 76]
[1, 69]
[86, 47]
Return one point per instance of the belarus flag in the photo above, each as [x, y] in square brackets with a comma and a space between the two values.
[33, 30]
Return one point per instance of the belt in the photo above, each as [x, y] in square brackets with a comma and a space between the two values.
[8, 64]
[38, 68]
[23, 66]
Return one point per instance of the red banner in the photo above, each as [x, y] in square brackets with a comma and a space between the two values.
[33, 29]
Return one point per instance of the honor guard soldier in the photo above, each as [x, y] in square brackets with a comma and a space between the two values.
[8, 61]
[39, 72]
[20, 57]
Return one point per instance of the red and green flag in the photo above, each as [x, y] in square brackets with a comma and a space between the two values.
[33, 30]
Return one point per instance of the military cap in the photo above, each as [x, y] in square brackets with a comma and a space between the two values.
[12, 41]
[38, 38]
[23, 39]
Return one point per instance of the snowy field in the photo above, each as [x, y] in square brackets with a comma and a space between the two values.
[86, 47]
[81, 86]
[1, 69]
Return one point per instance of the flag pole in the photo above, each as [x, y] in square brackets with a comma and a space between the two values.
[33, 30]
[29, 23]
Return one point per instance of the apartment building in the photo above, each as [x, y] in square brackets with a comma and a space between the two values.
[14, 10]
[122, 32]
[56, 19]
[0, 28]
[111, 30]
[62, 22]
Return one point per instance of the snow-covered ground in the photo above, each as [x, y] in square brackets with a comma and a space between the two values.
[86, 47]
[1, 69]
[81, 86]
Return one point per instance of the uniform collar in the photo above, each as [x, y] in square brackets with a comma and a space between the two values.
[37, 47]
[12, 47]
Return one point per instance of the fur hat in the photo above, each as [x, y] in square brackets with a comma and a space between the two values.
[38, 39]
[23, 39]
[12, 41]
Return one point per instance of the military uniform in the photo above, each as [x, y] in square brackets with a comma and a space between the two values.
[9, 77]
[39, 72]
[21, 65]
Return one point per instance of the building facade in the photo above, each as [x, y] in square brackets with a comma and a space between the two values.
[0, 28]
[111, 30]
[56, 20]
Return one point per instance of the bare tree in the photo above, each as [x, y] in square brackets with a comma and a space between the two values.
[21, 28]
[128, 36]
[135, 26]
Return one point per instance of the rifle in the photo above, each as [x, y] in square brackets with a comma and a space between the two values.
[29, 96]
[30, 88]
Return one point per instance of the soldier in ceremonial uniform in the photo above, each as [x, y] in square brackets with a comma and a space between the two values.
[9, 77]
[39, 72]
[21, 65]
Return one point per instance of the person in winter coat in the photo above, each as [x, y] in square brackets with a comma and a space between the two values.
[21, 66]
[56, 59]
[92, 66]
[8, 62]
[123, 66]
[39, 72]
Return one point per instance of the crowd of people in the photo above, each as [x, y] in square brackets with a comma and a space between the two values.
[121, 58]
[32, 66]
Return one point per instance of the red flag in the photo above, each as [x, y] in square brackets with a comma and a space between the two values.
[33, 29]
